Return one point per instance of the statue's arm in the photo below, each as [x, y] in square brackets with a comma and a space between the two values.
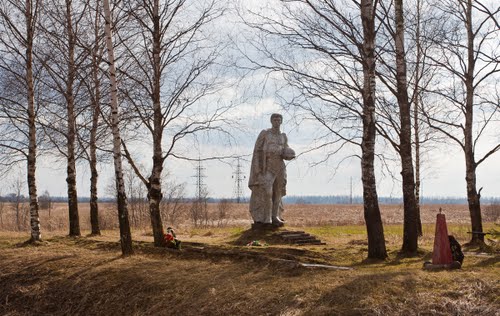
[286, 140]
[287, 153]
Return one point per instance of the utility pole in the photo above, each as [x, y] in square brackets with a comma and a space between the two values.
[238, 179]
[350, 196]
[199, 208]
[199, 180]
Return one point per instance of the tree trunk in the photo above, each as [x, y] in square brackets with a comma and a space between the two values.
[374, 227]
[154, 189]
[416, 123]
[74, 221]
[94, 206]
[473, 197]
[74, 218]
[31, 163]
[410, 233]
[154, 198]
[417, 174]
[123, 218]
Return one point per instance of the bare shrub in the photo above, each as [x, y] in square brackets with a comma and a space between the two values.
[196, 211]
[108, 218]
[16, 200]
[138, 206]
[200, 215]
[199, 209]
[15, 216]
[45, 201]
[56, 223]
[491, 212]
[21, 211]
[172, 207]
[222, 212]
[139, 211]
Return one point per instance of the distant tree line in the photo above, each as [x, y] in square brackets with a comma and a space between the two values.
[345, 199]
[290, 199]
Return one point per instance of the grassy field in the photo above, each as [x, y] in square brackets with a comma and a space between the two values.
[56, 219]
[214, 275]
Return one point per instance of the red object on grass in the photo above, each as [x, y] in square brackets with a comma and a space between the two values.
[168, 237]
[442, 249]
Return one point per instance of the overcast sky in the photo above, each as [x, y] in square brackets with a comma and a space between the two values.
[444, 173]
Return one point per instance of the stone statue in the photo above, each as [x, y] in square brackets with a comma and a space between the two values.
[268, 174]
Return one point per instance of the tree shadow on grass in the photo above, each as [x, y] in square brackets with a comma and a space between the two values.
[350, 298]
[397, 258]
[98, 244]
[31, 278]
[487, 262]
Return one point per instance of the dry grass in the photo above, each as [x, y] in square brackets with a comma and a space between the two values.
[238, 215]
[212, 275]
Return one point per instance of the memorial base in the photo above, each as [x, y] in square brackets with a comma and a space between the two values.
[450, 266]
[265, 226]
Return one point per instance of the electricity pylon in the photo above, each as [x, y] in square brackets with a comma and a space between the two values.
[238, 180]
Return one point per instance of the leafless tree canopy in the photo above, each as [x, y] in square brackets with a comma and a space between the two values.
[387, 79]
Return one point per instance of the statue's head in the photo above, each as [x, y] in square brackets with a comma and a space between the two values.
[276, 115]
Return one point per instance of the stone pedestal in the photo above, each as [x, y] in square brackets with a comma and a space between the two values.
[264, 226]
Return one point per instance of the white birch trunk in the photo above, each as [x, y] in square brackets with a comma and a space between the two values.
[125, 235]
[416, 121]
[94, 175]
[32, 147]
[473, 196]
[74, 218]
[373, 219]
[410, 232]
[154, 188]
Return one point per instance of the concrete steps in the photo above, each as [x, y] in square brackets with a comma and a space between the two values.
[299, 238]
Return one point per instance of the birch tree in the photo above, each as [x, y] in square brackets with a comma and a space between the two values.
[18, 31]
[372, 212]
[93, 132]
[404, 73]
[423, 26]
[394, 76]
[466, 88]
[416, 118]
[410, 233]
[123, 217]
[169, 70]
[62, 60]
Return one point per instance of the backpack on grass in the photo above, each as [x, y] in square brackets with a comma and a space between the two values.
[456, 250]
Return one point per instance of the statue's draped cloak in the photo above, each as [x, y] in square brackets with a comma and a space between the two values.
[257, 169]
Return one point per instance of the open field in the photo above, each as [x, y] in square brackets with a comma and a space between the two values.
[214, 275]
[56, 219]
